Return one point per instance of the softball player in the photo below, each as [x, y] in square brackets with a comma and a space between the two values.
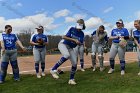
[118, 46]
[79, 50]
[73, 38]
[9, 53]
[39, 42]
[99, 40]
[136, 35]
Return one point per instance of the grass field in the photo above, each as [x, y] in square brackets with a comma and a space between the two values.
[88, 82]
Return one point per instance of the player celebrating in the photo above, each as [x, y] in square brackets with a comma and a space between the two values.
[99, 40]
[9, 53]
[73, 38]
[136, 35]
[39, 42]
[118, 36]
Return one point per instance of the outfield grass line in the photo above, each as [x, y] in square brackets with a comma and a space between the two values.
[28, 71]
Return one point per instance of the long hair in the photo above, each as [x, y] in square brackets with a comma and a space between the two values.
[98, 31]
[100, 36]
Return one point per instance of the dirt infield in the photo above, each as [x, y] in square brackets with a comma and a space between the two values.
[26, 64]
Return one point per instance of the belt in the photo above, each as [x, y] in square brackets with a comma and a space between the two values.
[10, 48]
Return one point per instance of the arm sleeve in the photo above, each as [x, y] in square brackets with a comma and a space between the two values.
[32, 38]
[16, 37]
[126, 32]
[112, 32]
[69, 32]
[46, 39]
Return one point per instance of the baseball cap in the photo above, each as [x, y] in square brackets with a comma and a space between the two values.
[80, 21]
[120, 21]
[40, 27]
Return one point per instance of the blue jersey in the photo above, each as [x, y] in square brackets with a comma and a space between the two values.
[136, 35]
[75, 34]
[9, 40]
[119, 32]
[94, 34]
[35, 38]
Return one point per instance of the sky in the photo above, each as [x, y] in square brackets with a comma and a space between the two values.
[57, 16]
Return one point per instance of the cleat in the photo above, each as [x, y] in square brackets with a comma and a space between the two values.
[43, 74]
[139, 73]
[72, 82]
[83, 70]
[110, 71]
[94, 68]
[122, 72]
[102, 69]
[54, 74]
[38, 75]
[17, 79]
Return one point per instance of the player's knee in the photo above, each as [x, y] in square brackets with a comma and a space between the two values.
[81, 60]
[67, 56]
[3, 68]
[14, 64]
[74, 65]
[100, 57]
[4, 64]
[122, 59]
[42, 64]
[93, 56]
[111, 59]
[36, 64]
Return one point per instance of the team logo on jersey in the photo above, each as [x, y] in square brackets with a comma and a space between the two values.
[8, 40]
[118, 33]
[37, 38]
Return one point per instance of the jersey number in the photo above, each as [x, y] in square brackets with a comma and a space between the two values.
[8, 41]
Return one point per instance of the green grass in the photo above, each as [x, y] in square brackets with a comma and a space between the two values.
[88, 82]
